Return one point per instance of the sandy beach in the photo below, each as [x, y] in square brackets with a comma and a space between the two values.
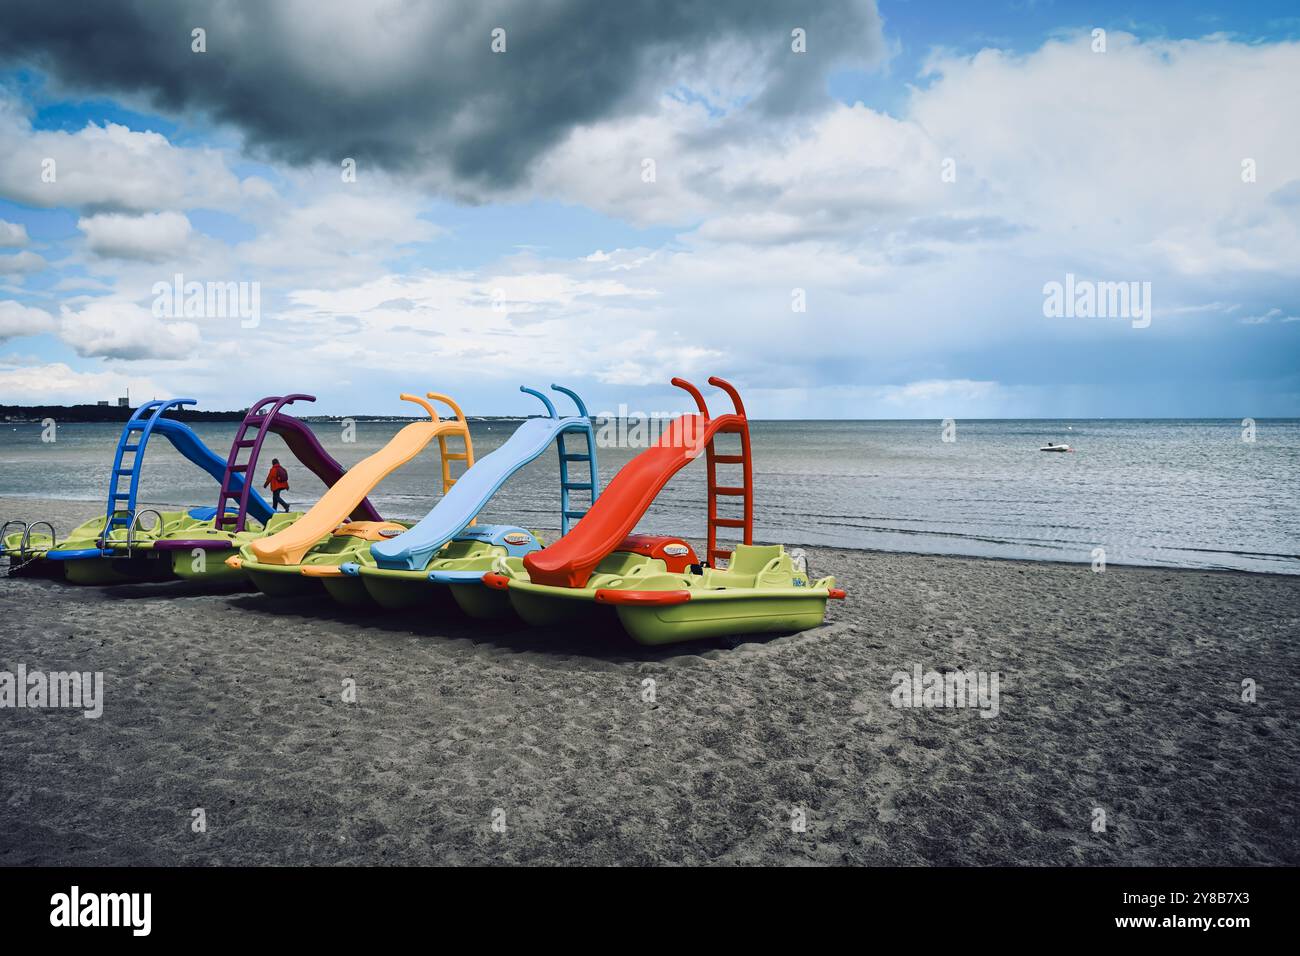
[1120, 694]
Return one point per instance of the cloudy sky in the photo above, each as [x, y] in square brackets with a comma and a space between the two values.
[632, 191]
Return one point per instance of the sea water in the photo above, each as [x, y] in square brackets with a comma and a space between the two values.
[1162, 492]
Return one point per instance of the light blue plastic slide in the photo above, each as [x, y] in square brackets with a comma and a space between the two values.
[413, 550]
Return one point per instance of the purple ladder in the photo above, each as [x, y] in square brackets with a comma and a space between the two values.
[260, 415]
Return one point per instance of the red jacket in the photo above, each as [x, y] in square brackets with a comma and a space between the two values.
[277, 478]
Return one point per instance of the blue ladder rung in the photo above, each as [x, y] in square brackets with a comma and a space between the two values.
[577, 486]
[130, 447]
[122, 471]
[568, 457]
[574, 514]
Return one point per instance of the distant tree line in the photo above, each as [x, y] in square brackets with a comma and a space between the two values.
[105, 413]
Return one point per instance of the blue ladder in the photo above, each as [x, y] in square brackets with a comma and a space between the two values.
[592, 485]
[142, 420]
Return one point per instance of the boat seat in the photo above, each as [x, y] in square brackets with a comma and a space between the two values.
[623, 562]
[663, 581]
[634, 573]
[753, 566]
[461, 550]
[281, 520]
[620, 566]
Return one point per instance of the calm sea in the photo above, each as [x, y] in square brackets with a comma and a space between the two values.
[1172, 493]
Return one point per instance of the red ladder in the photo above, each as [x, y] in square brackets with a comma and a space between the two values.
[736, 424]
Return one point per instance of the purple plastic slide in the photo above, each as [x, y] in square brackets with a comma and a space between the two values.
[306, 447]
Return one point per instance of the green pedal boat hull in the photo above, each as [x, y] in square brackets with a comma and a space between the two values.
[464, 559]
[706, 615]
[133, 570]
[198, 549]
[481, 603]
[348, 591]
[280, 580]
[542, 609]
[701, 618]
[403, 590]
[210, 569]
[320, 564]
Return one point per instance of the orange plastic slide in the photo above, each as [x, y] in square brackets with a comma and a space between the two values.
[290, 545]
[568, 563]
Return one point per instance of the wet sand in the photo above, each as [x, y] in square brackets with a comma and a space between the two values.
[1120, 692]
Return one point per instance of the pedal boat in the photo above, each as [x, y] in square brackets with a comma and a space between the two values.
[656, 586]
[666, 598]
[453, 574]
[320, 566]
[445, 554]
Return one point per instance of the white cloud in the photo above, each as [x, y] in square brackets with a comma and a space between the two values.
[508, 321]
[17, 320]
[56, 383]
[341, 235]
[108, 165]
[124, 330]
[21, 263]
[1272, 315]
[1122, 166]
[1133, 155]
[1129, 159]
[151, 237]
[749, 181]
[12, 235]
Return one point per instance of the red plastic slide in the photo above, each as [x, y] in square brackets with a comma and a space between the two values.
[570, 561]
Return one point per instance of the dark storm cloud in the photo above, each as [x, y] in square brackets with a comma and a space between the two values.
[414, 87]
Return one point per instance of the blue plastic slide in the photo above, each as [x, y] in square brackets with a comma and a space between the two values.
[128, 466]
[128, 459]
[412, 550]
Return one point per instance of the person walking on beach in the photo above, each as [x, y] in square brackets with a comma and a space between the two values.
[278, 480]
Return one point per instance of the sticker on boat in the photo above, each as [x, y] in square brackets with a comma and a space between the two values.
[517, 537]
[676, 550]
[389, 532]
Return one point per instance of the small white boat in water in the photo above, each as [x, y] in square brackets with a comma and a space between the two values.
[1061, 447]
